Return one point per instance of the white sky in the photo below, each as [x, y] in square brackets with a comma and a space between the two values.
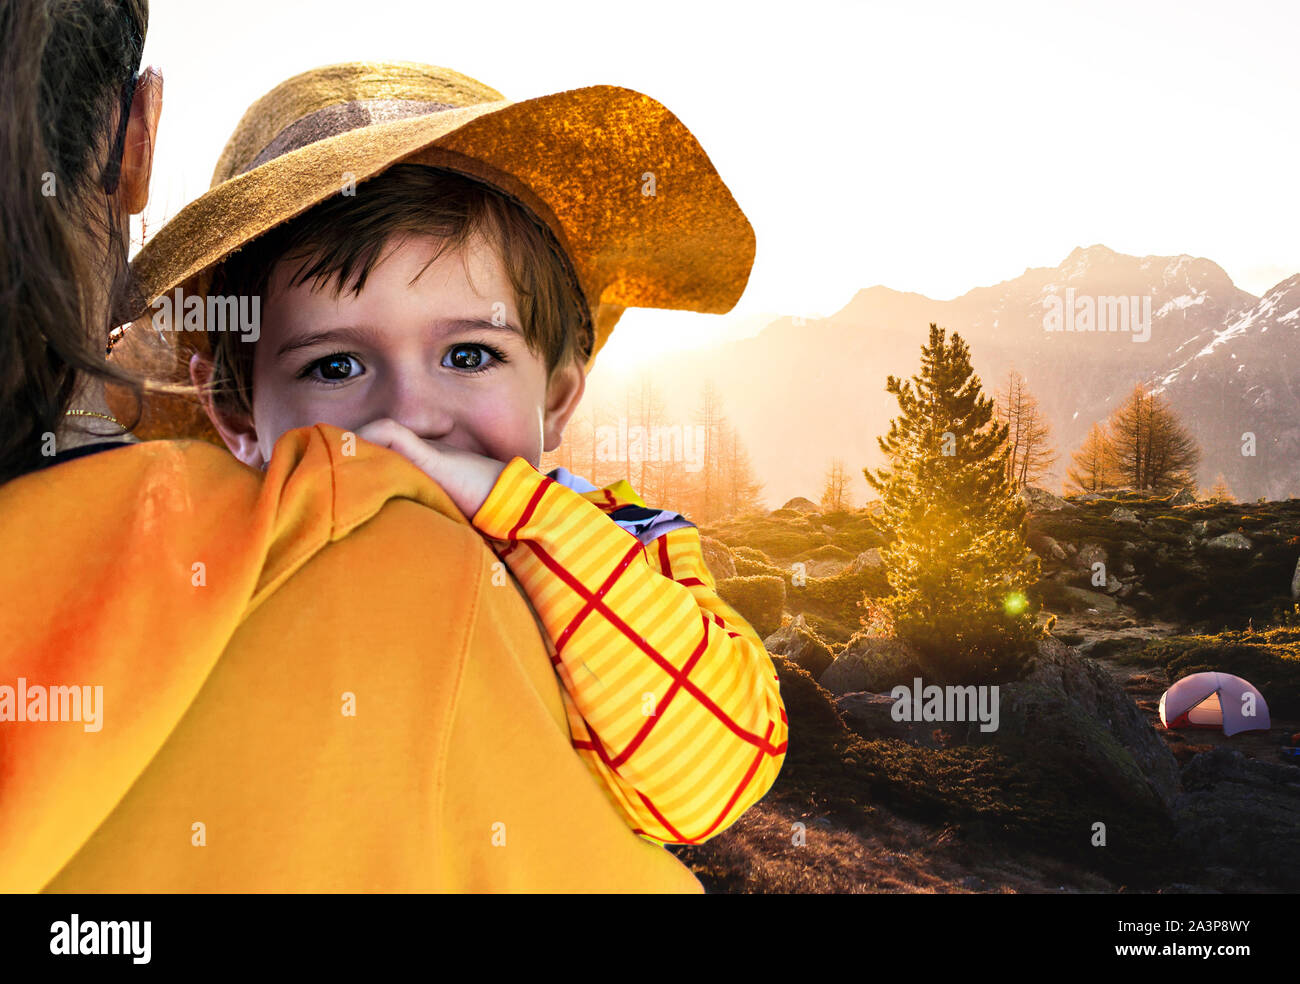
[930, 147]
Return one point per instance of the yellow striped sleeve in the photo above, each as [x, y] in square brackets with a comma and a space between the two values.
[673, 702]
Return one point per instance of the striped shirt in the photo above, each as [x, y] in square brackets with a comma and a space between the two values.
[672, 700]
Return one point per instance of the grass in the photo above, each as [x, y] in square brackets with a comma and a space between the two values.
[1269, 659]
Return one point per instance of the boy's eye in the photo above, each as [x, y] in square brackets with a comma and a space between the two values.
[335, 368]
[469, 357]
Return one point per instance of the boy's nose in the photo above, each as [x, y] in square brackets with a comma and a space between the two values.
[419, 405]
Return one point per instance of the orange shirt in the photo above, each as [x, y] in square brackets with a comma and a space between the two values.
[309, 683]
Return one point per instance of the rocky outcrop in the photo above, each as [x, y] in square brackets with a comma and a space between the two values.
[871, 664]
[1089, 554]
[1045, 546]
[800, 504]
[868, 558]
[1229, 541]
[1068, 705]
[798, 643]
[1240, 814]
[871, 716]
[1040, 500]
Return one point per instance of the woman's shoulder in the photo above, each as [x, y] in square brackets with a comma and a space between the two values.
[157, 508]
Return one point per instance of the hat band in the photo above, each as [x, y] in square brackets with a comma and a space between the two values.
[340, 118]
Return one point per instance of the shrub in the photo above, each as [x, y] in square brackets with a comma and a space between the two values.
[759, 600]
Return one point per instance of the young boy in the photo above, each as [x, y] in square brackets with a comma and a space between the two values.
[426, 311]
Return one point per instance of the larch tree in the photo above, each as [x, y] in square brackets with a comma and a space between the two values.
[1094, 462]
[1221, 492]
[1029, 455]
[1152, 450]
[958, 563]
[744, 492]
[835, 488]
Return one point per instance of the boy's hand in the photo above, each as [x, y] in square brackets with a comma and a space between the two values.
[465, 476]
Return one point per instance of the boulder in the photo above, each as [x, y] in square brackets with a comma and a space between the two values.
[1070, 704]
[1121, 515]
[717, 558]
[1045, 546]
[1295, 582]
[1229, 541]
[871, 716]
[871, 664]
[1090, 599]
[1040, 500]
[800, 504]
[1090, 554]
[1240, 814]
[798, 643]
[868, 558]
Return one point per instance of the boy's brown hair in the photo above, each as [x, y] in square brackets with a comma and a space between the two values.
[341, 240]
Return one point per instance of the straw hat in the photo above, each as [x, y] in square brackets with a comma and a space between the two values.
[639, 211]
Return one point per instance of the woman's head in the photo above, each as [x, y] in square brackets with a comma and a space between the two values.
[76, 136]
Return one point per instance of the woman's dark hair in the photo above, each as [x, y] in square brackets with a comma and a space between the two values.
[68, 70]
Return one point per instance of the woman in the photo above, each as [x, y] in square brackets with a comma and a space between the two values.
[214, 679]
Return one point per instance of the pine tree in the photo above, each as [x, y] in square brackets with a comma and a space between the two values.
[958, 562]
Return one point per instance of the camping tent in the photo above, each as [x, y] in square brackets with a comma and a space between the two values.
[1214, 700]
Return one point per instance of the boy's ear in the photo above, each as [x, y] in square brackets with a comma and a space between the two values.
[563, 395]
[235, 429]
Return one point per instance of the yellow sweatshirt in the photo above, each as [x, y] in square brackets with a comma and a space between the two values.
[309, 684]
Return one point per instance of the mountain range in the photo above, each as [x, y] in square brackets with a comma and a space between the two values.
[804, 391]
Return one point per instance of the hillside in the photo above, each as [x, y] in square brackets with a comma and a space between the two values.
[865, 803]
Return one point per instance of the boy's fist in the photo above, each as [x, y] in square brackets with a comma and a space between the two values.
[465, 476]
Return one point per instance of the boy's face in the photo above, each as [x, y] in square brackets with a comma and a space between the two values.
[424, 353]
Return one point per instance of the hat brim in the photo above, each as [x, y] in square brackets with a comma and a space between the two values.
[629, 193]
